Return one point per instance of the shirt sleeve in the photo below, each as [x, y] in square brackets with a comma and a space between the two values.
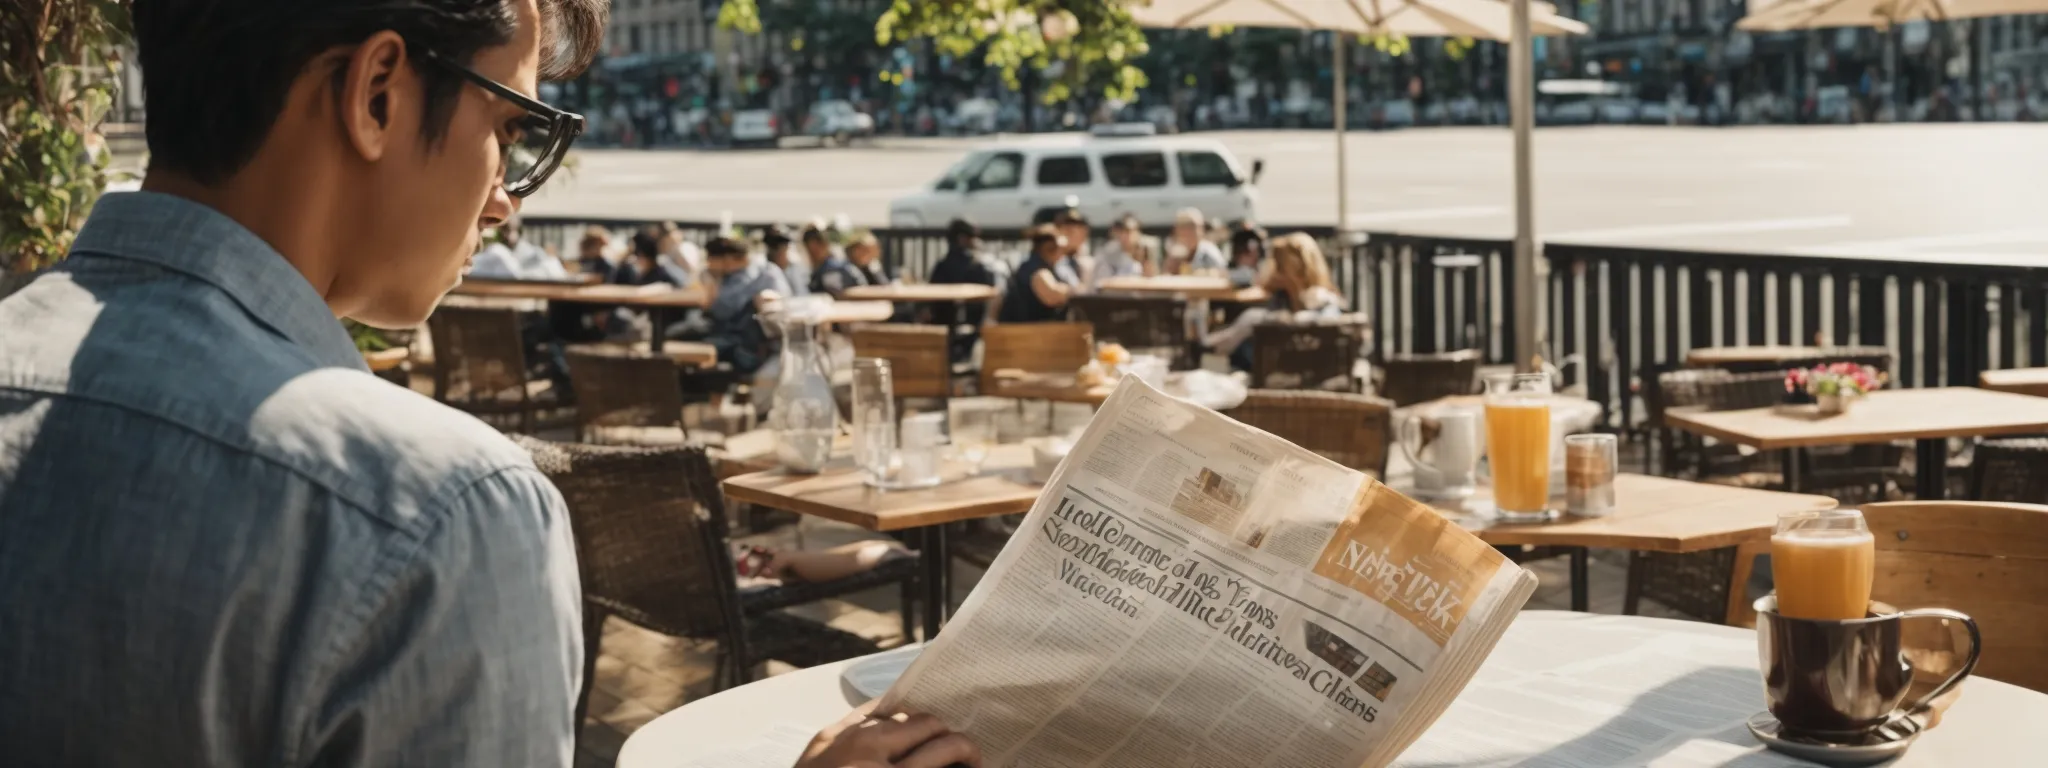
[469, 646]
[1207, 257]
[494, 262]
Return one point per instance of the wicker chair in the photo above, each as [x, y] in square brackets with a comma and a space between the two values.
[1292, 356]
[652, 548]
[1034, 348]
[1411, 379]
[480, 365]
[916, 353]
[1875, 357]
[626, 395]
[2010, 469]
[1154, 324]
[1350, 429]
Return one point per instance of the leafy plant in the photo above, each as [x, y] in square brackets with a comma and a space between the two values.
[1094, 43]
[367, 339]
[58, 64]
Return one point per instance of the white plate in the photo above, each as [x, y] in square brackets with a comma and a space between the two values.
[872, 676]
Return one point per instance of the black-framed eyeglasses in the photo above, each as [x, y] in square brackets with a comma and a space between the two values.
[544, 133]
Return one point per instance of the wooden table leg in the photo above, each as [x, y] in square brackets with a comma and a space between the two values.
[1580, 600]
[658, 317]
[937, 564]
[1930, 467]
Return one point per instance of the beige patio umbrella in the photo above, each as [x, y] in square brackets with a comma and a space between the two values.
[1814, 14]
[1513, 21]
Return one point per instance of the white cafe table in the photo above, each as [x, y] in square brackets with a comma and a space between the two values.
[1564, 684]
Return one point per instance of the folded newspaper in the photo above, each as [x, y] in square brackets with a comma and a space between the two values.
[1190, 591]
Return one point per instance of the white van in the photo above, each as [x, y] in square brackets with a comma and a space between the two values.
[1007, 185]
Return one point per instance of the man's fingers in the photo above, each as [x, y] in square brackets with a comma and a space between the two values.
[947, 750]
[899, 734]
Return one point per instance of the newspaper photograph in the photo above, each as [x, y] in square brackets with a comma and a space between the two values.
[1190, 591]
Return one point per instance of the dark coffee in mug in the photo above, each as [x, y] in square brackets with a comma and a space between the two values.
[1842, 678]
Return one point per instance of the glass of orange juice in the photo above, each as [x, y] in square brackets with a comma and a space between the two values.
[1823, 562]
[1518, 446]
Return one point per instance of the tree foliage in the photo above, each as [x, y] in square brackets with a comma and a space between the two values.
[58, 66]
[1094, 43]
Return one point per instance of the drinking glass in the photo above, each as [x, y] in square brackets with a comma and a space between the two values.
[1823, 562]
[874, 416]
[1589, 465]
[1518, 446]
[974, 432]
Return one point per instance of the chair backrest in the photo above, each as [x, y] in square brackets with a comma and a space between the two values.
[1034, 348]
[1988, 560]
[1411, 379]
[918, 365]
[2010, 469]
[650, 533]
[1137, 322]
[1294, 356]
[619, 385]
[478, 354]
[1739, 391]
[1351, 429]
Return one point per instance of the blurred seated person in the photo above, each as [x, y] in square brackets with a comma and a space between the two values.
[777, 243]
[1299, 289]
[1124, 256]
[515, 258]
[1247, 254]
[1039, 290]
[860, 265]
[645, 264]
[680, 252]
[1074, 227]
[817, 246]
[575, 322]
[1188, 252]
[741, 288]
[962, 264]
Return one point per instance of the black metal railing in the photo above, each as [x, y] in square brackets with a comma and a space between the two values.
[1616, 314]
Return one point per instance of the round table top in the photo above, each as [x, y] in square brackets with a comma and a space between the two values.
[1569, 685]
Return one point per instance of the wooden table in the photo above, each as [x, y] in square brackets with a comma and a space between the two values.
[929, 293]
[2019, 381]
[1701, 674]
[924, 293]
[1652, 514]
[1066, 388]
[1190, 286]
[1929, 416]
[1003, 487]
[660, 301]
[1714, 357]
[688, 354]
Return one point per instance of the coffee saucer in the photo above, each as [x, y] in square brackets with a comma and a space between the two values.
[1886, 742]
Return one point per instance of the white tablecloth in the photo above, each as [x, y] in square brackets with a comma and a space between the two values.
[1537, 698]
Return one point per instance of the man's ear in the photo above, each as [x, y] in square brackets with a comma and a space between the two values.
[376, 86]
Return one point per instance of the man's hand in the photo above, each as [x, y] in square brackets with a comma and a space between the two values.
[897, 741]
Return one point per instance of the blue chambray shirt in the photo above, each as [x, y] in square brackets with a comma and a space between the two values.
[224, 543]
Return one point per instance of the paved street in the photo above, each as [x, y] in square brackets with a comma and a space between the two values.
[1962, 192]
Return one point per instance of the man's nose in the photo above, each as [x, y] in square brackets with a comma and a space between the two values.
[498, 207]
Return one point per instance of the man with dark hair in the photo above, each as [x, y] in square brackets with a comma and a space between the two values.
[775, 242]
[962, 264]
[1039, 290]
[224, 542]
[742, 287]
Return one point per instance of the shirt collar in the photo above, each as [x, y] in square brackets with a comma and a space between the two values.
[192, 239]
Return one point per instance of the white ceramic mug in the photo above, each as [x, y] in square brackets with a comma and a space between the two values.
[1447, 463]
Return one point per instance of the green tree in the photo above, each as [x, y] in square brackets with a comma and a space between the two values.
[1096, 40]
[58, 66]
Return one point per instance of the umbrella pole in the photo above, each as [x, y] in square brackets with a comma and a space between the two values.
[1529, 287]
[1337, 105]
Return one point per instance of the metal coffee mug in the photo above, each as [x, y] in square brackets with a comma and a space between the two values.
[1836, 680]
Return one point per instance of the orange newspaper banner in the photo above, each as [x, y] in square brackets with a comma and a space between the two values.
[1402, 554]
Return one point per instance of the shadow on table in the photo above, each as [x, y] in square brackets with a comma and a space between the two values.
[1712, 701]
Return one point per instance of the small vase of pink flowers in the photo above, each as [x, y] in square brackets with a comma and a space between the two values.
[1834, 386]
